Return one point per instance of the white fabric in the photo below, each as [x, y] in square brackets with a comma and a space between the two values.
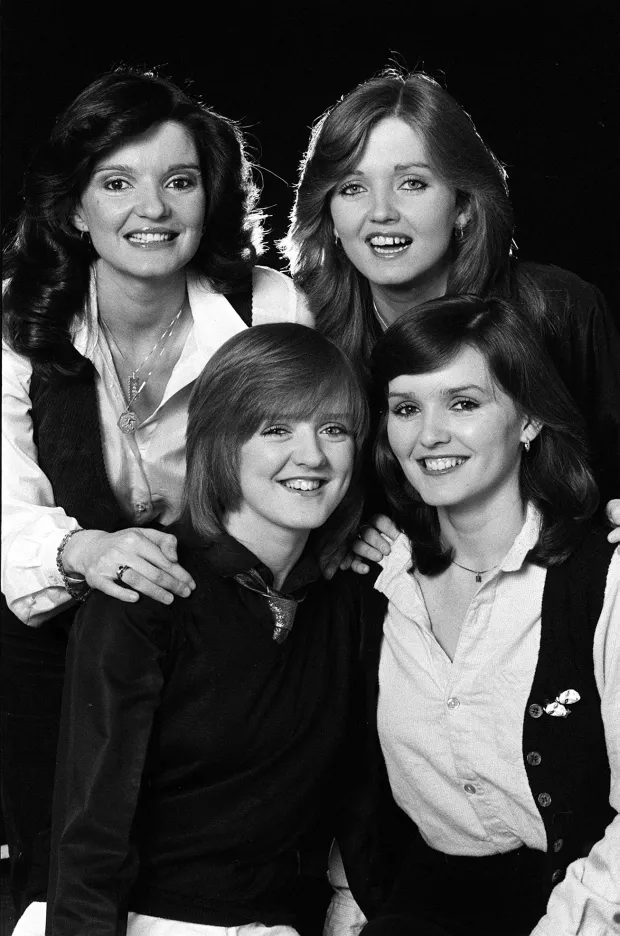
[32, 923]
[146, 470]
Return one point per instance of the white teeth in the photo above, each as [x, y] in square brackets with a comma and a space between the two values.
[381, 240]
[441, 464]
[147, 237]
[302, 484]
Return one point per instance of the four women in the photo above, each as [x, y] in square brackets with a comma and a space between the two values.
[140, 220]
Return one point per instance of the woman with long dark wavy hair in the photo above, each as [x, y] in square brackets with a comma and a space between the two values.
[135, 257]
[495, 710]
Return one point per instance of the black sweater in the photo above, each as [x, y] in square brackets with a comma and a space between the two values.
[197, 753]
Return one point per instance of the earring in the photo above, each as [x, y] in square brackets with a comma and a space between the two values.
[336, 238]
[526, 445]
[458, 232]
[85, 237]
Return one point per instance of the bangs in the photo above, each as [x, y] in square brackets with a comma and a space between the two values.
[334, 396]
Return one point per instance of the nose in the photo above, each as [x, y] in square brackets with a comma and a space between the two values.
[383, 207]
[435, 429]
[151, 202]
[308, 450]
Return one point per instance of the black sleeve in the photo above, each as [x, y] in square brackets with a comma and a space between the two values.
[584, 344]
[112, 689]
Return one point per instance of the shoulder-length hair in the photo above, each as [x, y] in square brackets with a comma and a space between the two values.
[262, 375]
[554, 475]
[48, 262]
[338, 294]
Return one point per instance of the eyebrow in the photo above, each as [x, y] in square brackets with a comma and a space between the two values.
[120, 167]
[399, 167]
[451, 391]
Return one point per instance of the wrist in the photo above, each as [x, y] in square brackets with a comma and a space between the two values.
[73, 580]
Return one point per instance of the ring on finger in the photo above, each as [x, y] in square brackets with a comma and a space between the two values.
[120, 572]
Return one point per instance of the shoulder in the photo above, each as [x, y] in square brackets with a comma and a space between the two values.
[16, 370]
[275, 298]
[560, 284]
[107, 628]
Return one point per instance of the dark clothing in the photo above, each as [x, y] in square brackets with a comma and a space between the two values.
[197, 755]
[584, 344]
[394, 876]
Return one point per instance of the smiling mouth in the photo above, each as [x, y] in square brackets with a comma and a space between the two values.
[303, 484]
[389, 245]
[147, 238]
[441, 465]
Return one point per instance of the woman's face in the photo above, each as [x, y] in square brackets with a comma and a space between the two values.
[457, 436]
[294, 473]
[394, 216]
[144, 205]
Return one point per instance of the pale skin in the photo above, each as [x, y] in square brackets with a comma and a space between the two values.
[144, 211]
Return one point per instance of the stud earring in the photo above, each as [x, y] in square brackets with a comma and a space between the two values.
[458, 232]
[336, 238]
[526, 445]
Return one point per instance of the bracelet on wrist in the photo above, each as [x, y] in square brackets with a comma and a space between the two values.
[78, 588]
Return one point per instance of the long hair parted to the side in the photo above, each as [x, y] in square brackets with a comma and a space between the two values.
[265, 374]
[554, 475]
[48, 263]
[338, 295]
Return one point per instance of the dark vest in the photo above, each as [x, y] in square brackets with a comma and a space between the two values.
[565, 757]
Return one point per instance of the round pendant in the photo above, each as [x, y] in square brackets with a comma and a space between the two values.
[127, 422]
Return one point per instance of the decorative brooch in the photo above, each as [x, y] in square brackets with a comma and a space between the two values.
[557, 708]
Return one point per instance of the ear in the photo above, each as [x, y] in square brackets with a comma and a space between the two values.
[531, 428]
[78, 221]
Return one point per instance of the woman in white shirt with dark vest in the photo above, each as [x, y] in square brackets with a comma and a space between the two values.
[135, 259]
[498, 697]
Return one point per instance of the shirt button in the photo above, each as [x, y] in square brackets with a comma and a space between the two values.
[544, 799]
[453, 703]
[535, 710]
[557, 874]
[469, 788]
[533, 758]
[557, 845]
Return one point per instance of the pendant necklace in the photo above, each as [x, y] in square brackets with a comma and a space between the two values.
[128, 420]
[477, 572]
[382, 321]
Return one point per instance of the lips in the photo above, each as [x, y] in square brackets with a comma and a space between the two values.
[388, 244]
[443, 464]
[303, 484]
[150, 238]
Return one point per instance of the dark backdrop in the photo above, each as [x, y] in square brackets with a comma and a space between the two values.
[540, 81]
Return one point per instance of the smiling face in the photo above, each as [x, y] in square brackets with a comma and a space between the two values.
[394, 216]
[457, 436]
[144, 205]
[293, 474]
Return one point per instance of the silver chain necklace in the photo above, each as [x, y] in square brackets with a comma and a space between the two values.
[477, 572]
[128, 420]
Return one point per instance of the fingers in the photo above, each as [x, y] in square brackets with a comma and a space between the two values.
[358, 566]
[371, 545]
[385, 526]
[614, 536]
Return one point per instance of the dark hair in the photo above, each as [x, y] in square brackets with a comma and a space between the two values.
[48, 263]
[554, 475]
[263, 374]
[339, 296]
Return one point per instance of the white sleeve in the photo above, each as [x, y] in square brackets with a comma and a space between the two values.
[587, 901]
[32, 525]
[344, 917]
[275, 298]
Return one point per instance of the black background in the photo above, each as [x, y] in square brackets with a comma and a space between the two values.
[540, 81]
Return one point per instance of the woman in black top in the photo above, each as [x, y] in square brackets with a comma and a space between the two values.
[199, 741]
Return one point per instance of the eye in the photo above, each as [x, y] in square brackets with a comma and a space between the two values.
[274, 431]
[350, 188]
[405, 410]
[413, 185]
[465, 405]
[116, 185]
[183, 183]
[336, 430]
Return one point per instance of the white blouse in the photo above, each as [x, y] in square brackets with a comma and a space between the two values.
[145, 470]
